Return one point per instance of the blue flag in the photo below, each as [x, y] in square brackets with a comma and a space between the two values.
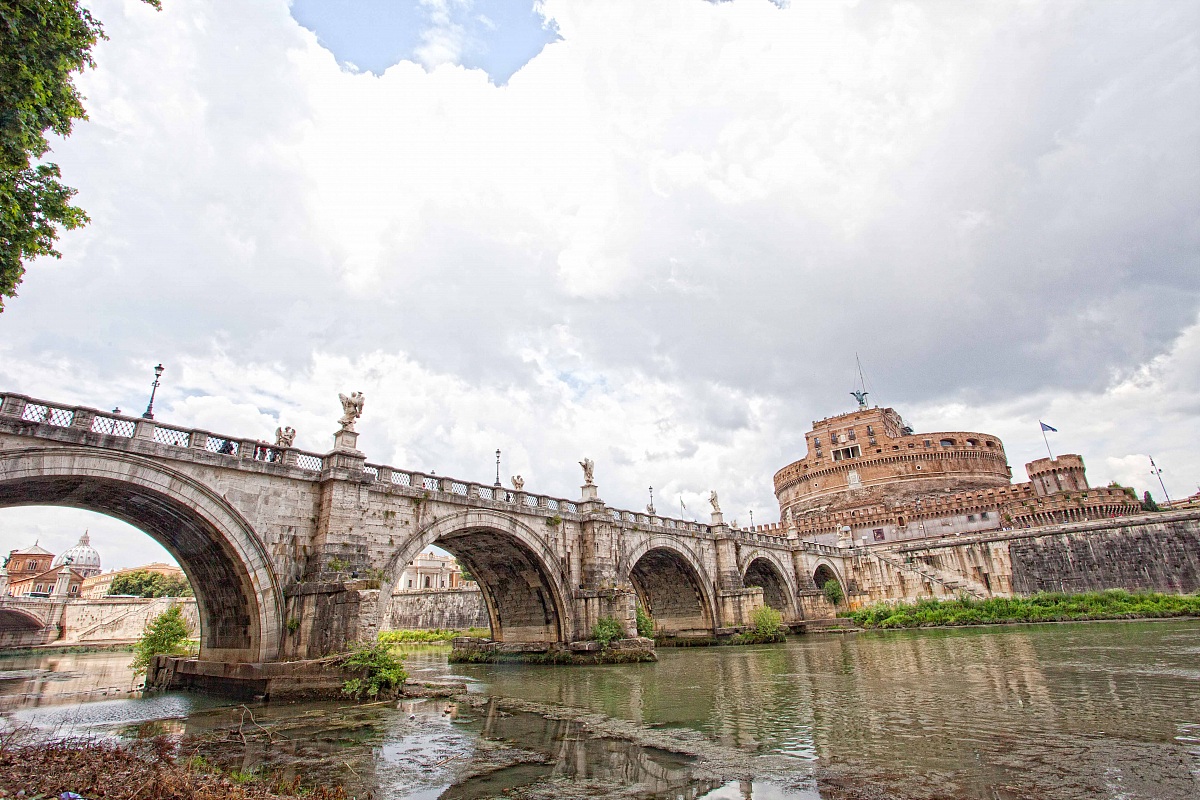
[1046, 427]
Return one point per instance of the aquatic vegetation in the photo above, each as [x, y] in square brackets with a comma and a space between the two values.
[767, 627]
[383, 670]
[607, 629]
[1042, 607]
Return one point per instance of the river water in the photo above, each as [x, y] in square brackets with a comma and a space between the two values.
[1089, 710]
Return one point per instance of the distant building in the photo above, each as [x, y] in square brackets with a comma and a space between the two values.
[431, 571]
[36, 572]
[868, 477]
[83, 558]
[98, 585]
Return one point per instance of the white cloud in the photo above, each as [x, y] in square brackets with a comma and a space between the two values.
[660, 243]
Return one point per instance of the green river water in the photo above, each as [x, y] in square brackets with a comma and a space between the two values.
[1089, 710]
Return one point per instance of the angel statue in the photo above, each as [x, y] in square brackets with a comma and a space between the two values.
[712, 500]
[285, 436]
[861, 397]
[589, 471]
[518, 483]
[352, 408]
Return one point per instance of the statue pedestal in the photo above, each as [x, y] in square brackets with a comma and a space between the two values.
[718, 518]
[590, 492]
[346, 440]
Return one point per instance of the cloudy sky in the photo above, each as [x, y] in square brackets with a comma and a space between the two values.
[655, 234]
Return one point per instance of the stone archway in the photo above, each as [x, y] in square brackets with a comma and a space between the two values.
[522, 580]
[825, 572]
[778, 592]
[238, 597]
[670, 585]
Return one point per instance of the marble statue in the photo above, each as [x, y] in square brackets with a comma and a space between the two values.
[352, 408]
[518, 483]
[712, 499]
[285, 436]
[589, 471]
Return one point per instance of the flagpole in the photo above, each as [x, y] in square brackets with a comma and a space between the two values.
[1042, 425]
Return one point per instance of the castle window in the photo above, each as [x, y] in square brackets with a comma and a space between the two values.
[984, 515]
[870, 431]
[970, 517]
[990, 443]
[847, 452]
[850, 435]
[817, 442]
[928, 443]
[972, 443]
[946, 443]
[911, 445]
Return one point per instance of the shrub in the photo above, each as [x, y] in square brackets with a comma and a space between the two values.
[385, 670]
[645, 623]
[607, 629]
[767, 621]
[165, 635]
[833, 591]
[144, 583]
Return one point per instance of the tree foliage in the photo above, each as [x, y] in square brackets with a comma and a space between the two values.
[43, 45]
[383, 670]
[167, 634]
[1148, 503]
[833, 591]
[145, 583]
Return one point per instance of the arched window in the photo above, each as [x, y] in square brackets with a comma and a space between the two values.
[946, 443]
[427, 582]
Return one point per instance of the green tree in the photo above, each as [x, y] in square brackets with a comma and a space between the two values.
[43, 44]
[1148, 503]
[167, 634]
[145, 583]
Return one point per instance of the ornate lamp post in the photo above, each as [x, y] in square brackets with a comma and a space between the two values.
[650, 508]
[752, 519]
[158, 371]
[497, 468]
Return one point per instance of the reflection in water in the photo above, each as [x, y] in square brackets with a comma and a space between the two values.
[1062, 711]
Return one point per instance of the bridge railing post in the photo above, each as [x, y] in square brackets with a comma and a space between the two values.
[144, 429]
[13, 406]
[82, 419]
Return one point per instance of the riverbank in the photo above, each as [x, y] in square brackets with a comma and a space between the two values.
[1114, 604]
[147, 769]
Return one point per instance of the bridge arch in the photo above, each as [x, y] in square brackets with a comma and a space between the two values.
[524, 583]
[672, 584]
[238, 596]
[825, 570]
[775, 576]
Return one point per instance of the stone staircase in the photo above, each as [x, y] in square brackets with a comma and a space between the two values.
[957, 584]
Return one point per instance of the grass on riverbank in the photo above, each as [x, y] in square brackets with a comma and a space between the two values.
[1043, 607]
[435, 635]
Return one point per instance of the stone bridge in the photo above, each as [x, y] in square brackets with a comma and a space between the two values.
[29, 621]
[294, 555]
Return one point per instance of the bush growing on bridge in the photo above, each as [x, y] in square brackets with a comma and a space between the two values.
[384, 670]
[645, 623]
[607, 629]
[166, 635]
[833, 591]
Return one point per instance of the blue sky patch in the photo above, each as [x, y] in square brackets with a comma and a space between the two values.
[497, 36]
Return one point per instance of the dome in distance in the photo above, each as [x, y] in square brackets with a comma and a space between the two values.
[83, 558]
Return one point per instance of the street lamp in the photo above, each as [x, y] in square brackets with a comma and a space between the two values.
[158, 371]
[498, 468]
[650, 508]
[1156, 472]
[752, 519]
